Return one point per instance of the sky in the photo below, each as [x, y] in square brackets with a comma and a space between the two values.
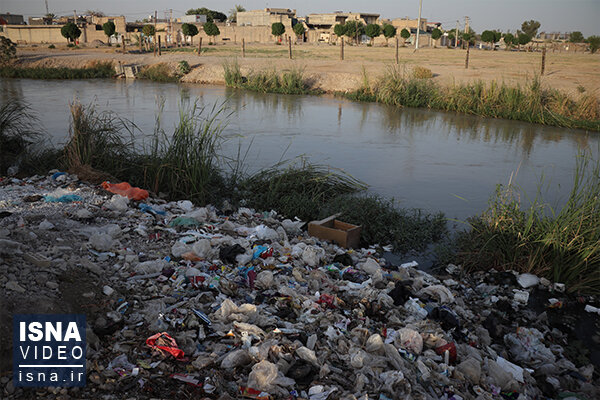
[554, 15]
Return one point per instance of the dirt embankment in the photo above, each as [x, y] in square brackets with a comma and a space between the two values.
[574, 73]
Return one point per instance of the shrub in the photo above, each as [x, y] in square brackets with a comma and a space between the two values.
[158, 73]
[8, 50]
[17, 133]
[183, 67]
[422, 72]
[52, 46]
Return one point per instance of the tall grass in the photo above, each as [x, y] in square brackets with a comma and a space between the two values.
[267, 81]
[160, 72]
[96, 70]
[533, 103]
[561, 245]
[18, 131]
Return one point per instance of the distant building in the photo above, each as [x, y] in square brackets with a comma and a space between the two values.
[321, 25]
[267, 17]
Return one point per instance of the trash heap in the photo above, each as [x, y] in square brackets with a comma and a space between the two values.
[221, 303]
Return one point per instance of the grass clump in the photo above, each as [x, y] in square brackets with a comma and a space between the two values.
[97, 70]
[300, 189]
[160, 72]
[533, 103]
[421, 72]
[17, 133]
[270, 81]
[563, 246]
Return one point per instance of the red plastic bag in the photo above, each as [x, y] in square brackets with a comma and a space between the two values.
[126, 190]
[451, 348]
[164, 342]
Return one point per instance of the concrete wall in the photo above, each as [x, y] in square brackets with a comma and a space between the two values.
[264, 18]
[25, 34]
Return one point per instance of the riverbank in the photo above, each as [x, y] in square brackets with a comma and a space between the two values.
[324, 70]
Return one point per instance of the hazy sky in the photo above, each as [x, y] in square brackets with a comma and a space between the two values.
[554, 15]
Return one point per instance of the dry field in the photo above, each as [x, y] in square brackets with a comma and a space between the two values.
[566, 71]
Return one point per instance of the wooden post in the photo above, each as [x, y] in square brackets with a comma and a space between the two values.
[154, 45]
[243, 48]
[397, 58]
[159, 51]
[123, 42]
[200, 45]
[467, 58]
[543, 60]
[141, 43]
[342, 49]
[290, 46]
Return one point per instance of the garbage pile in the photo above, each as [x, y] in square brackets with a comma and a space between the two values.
[186, 301]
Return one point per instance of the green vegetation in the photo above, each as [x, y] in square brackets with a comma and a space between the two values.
[389, 31]
[530, 28]
[160, 72]
[354, 29]
[594, 42]
[190, 30]
[404, 34]
[287, 82]
[277, 30]
[299, 30]
[109, 30]
[8, 50]
[70, 31]
[17, 133]
[211, 30]
[533, 103]
[372, 31]
[490, 37]
[509, 40]
[339, 30]
[562, 245]
[97, 70]
[148, 30]
[183, 67]
[52, 46]
[435, 35]
[576, 37]
[233, 12]
[211, 15]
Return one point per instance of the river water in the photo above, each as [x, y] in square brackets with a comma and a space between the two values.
[426, 159]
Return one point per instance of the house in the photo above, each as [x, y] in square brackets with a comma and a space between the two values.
[321, 25]
[267, 17]
[11, 19]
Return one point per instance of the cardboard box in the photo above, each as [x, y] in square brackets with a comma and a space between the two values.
[344, 234]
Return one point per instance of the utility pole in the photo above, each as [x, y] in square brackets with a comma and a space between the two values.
[47, 12]
[466, 24]
[418, 25]
[155, 18]
[456, 38]
[171, 25]
[75, 17]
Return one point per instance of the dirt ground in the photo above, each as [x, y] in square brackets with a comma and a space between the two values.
[566, 71]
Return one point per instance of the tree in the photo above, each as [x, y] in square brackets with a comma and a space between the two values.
[299, 30]
[468, 38]
[451, 38]
[211, 30]
[435, 35]
[211, 15]
[148, 30]
[277, 29]
[594, 42]
[190, 30]
[530, 28]
[233, 12]
[339, 30]
[372, 31]
[96, 13]
[576, 37]
[405, 35]
[524, 39]
[70, 31]
[488, 37]
[509, 40]
[8, 50]
[109, 30]
[389, 31]
[354, 29]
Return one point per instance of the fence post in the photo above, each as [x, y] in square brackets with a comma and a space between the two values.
[290, 46]
[467, 58]
[397, 58]
[154, 45]
[543, 60]
[200, 45]
[342, 48]
[243, 48]
[123, 41]
[159, 51]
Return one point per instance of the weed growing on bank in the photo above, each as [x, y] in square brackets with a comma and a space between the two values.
[532, 103]
[160, 72]
[96, 70]
[562, 245]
